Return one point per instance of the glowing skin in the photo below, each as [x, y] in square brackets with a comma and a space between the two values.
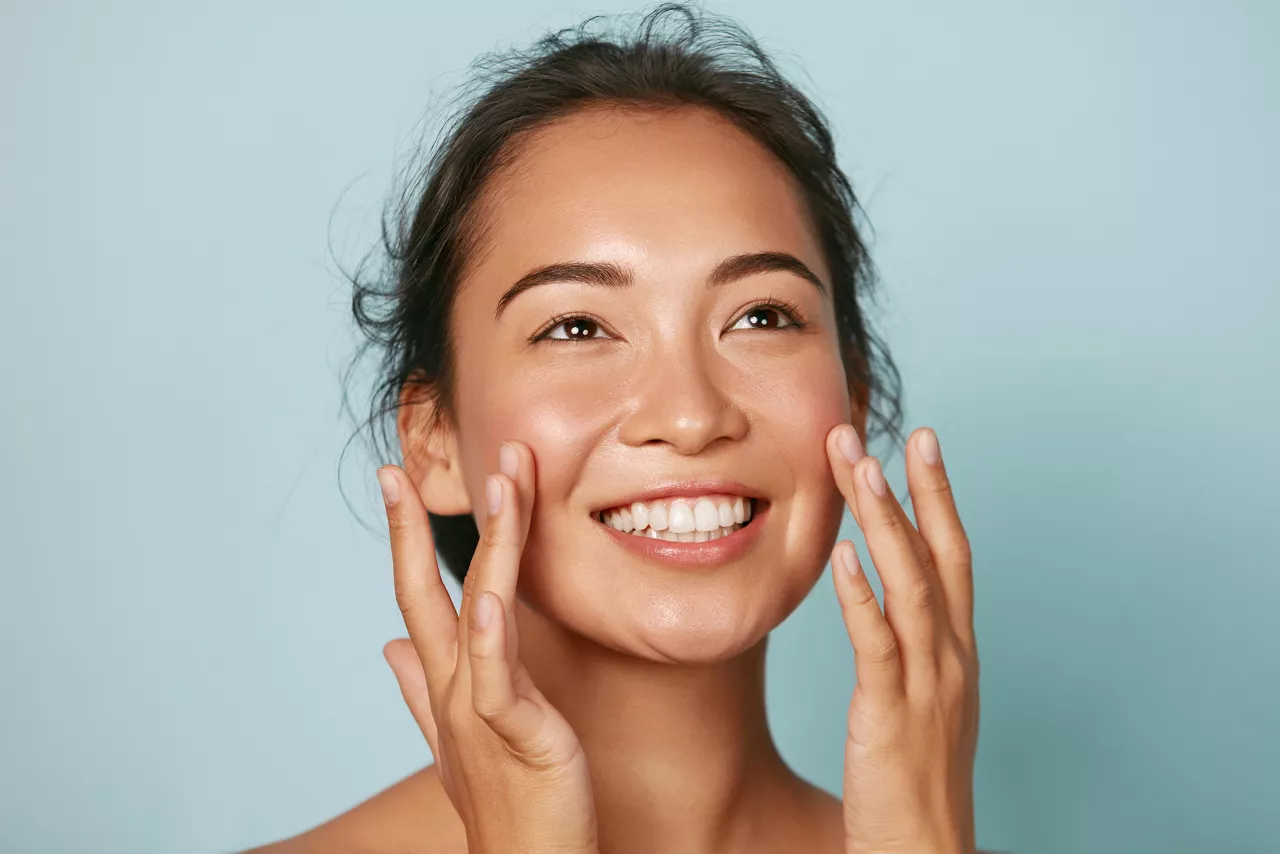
[669, 394]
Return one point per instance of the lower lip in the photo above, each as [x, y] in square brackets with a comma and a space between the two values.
[706, 554]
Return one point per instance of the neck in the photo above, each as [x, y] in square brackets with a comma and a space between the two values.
[681, 757]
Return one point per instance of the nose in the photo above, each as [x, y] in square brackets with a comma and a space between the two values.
[678, 402]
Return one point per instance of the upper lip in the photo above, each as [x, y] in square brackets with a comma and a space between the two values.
[690, 488]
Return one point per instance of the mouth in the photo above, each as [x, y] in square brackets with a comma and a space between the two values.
[700, 530]
[693, 519]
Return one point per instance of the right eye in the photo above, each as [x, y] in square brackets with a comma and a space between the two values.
[574, 327]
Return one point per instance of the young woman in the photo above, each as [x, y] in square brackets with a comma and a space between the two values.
[632, 380]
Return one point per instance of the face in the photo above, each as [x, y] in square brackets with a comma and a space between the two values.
[653, 367]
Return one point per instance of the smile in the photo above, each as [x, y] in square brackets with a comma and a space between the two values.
[692, 531]
[681, 519]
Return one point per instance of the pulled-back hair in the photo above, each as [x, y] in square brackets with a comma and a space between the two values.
[671, 56]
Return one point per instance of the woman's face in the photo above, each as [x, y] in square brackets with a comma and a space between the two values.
[655, 376]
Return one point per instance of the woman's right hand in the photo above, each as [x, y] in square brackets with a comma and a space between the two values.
[509, 762]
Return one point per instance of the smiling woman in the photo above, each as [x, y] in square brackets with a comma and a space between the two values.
[631, 377]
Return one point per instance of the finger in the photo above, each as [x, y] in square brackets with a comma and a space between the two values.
[843, 450]
[515, 460]
[940, 527]
[910, 591]
[496, 564]
[407, 667]
[876, 656]
[493, 692]
[424, 602]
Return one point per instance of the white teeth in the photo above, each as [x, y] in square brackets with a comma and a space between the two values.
[670, 536]
[639, 515]
[726, 513]
[701, 536]
[718, 514]
[686, 537]
[681, 518]
[705, 515]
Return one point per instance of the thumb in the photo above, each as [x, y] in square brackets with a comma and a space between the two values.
[407, 667]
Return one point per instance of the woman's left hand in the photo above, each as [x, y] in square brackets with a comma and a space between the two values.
[913, 721]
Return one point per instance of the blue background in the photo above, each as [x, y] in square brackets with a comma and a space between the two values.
[1075, 210]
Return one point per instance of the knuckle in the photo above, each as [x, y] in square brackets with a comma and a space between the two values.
[469, 582]
[884, 650]
[863, 596]
[921, 593]
[405, 600]
[889, 522]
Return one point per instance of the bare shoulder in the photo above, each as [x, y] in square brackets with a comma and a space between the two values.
[413, 816]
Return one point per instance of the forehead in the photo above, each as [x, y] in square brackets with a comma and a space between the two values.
[646, 188]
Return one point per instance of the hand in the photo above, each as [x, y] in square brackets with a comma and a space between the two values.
[509, 762]
[913, 721]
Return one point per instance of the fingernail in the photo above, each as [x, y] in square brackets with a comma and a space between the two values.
[875, 477]
[484, 611]
[493, 492]
[508, 461]
[928, 447]
[849, 444]
[390, 489]
[849, 557]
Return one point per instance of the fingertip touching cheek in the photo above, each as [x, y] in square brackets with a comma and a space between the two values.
[653, 317]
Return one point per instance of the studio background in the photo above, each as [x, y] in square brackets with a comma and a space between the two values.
[1075, 208]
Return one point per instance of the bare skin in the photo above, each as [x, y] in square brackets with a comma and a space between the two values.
[660, 671]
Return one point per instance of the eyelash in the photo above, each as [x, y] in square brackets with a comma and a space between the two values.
[792, 312]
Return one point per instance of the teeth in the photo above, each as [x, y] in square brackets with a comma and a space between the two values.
[705, 515]
[639, 516]
[681, 520]
[705, 518]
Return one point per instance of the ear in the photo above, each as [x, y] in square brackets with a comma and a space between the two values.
[429, 444]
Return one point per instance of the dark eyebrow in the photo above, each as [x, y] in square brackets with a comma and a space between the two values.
[606, 274]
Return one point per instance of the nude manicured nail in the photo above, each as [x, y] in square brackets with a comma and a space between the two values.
[928, 447]
[493, 493]
[390, 489]
[508, 461]
[875, 478]
[849, 444]
[849, 557]
[484, 611]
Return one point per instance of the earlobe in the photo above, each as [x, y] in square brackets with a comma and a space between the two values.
[429, 446]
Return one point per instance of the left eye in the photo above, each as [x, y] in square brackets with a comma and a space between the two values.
[763, 317]
[574, 329]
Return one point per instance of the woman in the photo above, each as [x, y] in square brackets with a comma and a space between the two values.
[632, 380]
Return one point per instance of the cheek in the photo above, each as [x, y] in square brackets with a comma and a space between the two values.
[551, 415]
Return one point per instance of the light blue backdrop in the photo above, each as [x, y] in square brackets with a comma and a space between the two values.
[1076, 208]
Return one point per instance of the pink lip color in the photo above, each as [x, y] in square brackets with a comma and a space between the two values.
[693, 555]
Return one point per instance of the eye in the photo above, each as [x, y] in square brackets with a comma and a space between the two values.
[769, 315]
[574, 327]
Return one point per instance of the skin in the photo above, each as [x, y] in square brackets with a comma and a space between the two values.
[615, 703]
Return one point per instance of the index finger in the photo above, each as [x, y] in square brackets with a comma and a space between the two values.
[424, 602]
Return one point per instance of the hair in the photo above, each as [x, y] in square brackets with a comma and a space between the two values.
[674, 55]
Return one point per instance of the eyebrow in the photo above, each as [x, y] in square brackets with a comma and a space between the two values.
[606, 274]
